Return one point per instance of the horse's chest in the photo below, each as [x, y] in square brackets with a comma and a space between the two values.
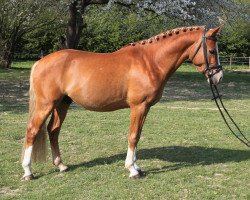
[154, 94]
[153, 89]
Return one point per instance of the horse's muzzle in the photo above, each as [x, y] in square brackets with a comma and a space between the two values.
[216, 78]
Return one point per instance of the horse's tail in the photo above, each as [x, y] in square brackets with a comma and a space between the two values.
[39, 150]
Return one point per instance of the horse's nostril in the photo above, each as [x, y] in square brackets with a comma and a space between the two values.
[220, 79]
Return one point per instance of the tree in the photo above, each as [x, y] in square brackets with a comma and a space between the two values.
[19, 17]
[236, 39]
[109, 31]
[48, 19]
[208, 12]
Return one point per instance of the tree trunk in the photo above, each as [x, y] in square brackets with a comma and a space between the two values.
[75, 24]
[6, 59]
[8, 49]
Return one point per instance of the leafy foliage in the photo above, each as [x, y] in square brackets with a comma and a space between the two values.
[105, 35]
[29, 27]
[236, 39]
[19, 17]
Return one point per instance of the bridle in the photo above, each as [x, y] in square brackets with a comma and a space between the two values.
[211, 69]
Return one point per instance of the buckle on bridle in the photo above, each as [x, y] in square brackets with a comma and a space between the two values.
[217, 97]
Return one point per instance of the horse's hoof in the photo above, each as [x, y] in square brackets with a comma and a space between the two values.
[137, 176]
[63, 168]
[28, 178]
[140, 172]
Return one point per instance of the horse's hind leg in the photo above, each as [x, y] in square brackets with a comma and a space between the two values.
[35, 141]
[54, 126]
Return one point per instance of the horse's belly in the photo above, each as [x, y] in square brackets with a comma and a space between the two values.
[98, 90]
[101, 105]
[100, 98]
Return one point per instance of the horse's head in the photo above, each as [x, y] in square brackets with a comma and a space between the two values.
[205, 56]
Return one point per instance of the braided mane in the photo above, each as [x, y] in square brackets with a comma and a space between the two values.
[166, 34]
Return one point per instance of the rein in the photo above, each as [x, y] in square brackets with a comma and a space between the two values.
[240, 136]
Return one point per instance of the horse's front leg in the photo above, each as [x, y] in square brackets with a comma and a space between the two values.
[136, 166]
[137, 117]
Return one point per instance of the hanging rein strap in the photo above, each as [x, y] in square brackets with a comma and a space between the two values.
[212, 70]
[240, 136]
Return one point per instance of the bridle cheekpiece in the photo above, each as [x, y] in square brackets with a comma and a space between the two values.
[209, 68]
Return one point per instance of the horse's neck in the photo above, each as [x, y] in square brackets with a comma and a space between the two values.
[170, 53]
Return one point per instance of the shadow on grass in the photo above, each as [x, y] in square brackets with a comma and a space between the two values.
[180, 157]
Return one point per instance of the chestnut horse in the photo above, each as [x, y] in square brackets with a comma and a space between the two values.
[131, 77]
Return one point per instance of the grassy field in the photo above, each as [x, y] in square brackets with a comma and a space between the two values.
[186, 151]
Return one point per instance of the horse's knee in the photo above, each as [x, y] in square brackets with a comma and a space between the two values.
[53, 132]
[31, 134]
[133, 140]
[54, 125]
[50, 124]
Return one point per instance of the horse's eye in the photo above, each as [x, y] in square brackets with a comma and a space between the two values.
[212, 51]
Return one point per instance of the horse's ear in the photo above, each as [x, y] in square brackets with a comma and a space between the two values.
[213, 32]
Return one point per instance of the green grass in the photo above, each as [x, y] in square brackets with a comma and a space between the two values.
[19, 71]
[235, 67]
[186, 151]
[22, 64]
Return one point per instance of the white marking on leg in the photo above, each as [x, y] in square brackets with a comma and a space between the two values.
[58, 162]
[137, 167]
[130, 158]
[129, 163]
[27, 161]
[62, 167]
[133, 172]
[135, 163]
